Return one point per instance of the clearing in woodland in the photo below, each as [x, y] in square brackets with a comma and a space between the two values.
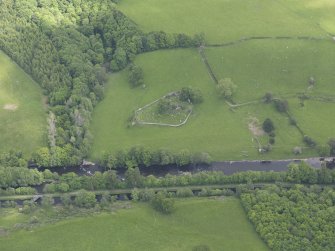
[22, 115]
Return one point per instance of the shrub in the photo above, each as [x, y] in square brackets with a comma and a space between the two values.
[66, 200]
[47, 201]
[272, 140]
[293, 121]
[184, 192]
[8, 204]
[162, 204]
[135, 75]
[309, 141]
[297, 150]
[281, 105]
[85, 199]
[226, 88]
[268, 97]
[189, 94]
[268, 125]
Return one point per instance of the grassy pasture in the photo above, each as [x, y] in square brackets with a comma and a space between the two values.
[316, 119]
[223, 20]
[219, 224]
[226, 133]
[22, 116]
[321, 12]
[282, 67]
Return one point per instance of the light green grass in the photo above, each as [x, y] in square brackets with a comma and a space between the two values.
[315, 119]
[320, 12]
[10, 216]
[23, 128]
[220, 224]
[282, 67]
[220, 20]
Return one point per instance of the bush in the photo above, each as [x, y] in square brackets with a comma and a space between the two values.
[166, 106]
[162, 204]
[268, 97]
[66, 200]
[226, 88]
[309, 141]
[297, 150]
[8, 204]
[85, 199]
[281, 105]
[272, 141]
[189, 94]
[184, 192]
[135, 75]
[293, 121]
[47, 201]
[268, 125]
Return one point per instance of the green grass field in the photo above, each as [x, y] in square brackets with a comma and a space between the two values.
[22, 116]
[319, 11]
[223, 20]
[219, 224]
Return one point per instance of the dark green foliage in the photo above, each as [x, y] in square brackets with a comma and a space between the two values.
[272, 140]
[18, 191]
[85, 199]
[19, 176]
[268, 97]
[47, 201]
[301, 218]
[268, 125]
[281, 105]
[183, 158]
[12, 158]
[135, 75]
[309, 141]
[192, 95]
[162, 204]
[302, 173]
[141, 156]
[66, 200]
[184, 192]
[8, 204]
[133, 177]
[166, 106]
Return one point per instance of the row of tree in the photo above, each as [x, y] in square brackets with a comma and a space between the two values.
[20, 176]
[141, 156]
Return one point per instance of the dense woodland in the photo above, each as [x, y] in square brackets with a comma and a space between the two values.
[300, 218]
[67, 47]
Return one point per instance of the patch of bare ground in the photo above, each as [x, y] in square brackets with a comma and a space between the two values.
[10, 107]
[254, 127]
